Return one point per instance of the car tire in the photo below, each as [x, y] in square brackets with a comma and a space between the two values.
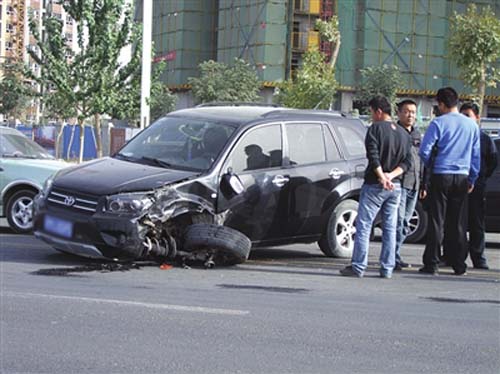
[19, 211]
[338, 238]
[230, 246]
[418, 224]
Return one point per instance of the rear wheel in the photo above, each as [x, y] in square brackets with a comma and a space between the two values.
[228, 246]
[417, 225]
[20, 211]
[338, 238]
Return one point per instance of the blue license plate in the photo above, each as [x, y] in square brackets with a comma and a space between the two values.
[58, 226]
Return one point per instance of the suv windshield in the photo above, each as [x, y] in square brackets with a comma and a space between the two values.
[179, 143]
[13, 145]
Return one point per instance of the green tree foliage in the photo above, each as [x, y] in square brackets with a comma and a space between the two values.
[161, 101]
[91, 80]
[383, 80]
[220, 82]
[314, 85]
[14, 93]
[474, 45]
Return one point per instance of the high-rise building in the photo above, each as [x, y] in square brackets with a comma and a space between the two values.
[272, 36]
[16, 38]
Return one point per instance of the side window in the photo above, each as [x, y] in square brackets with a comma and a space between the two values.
[332, 151]
[353, 138]
[257, 149]
[305, 143]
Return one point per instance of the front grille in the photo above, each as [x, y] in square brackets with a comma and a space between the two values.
[73, 201]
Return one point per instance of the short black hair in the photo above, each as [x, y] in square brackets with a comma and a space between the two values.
[380, 102]
[470, 105]
[448, 96]
[404, 102]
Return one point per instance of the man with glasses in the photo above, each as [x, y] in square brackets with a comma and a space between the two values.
[477, 196]
[455, 168]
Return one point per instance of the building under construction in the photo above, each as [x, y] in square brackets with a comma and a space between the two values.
[272, 36]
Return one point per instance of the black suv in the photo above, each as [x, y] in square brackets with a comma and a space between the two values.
[202, 177]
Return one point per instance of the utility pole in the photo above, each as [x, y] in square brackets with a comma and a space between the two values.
[147, 22]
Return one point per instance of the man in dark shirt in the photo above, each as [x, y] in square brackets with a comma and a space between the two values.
[389, 156]
[407, 111]
[477, 196]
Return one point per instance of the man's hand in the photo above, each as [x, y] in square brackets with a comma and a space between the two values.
[386, 182]
[423, 194]
[471, 188]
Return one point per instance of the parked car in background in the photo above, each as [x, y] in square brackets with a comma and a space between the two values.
[24, 167]
[204, 180]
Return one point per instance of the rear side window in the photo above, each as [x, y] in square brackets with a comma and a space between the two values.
[305, 143]
[352, 135]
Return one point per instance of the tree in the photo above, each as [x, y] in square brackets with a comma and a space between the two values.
[314, 85]
[220, 82]
[161, 101]
[474, 45]
[92, 79]
[14, 94]
[382, 80]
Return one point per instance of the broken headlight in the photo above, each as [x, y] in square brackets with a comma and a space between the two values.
[132, 203]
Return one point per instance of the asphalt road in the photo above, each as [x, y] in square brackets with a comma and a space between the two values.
[284, 311]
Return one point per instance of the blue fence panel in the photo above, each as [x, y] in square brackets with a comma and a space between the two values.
[71, 143]
[26, 130]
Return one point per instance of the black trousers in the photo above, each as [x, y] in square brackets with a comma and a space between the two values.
[477, 225]
[447, 206]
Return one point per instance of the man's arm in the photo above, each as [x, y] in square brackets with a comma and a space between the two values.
[491, 158]
[475, 164]
[431, 137]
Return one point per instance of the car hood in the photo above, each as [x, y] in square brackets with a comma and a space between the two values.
[107, 176]
[49, 165]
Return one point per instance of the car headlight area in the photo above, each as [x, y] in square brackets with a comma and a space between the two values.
[129, 204]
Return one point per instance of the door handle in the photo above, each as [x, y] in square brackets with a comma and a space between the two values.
[336, 173]
[280, 180]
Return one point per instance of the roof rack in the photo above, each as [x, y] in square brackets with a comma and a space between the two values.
[237, 103]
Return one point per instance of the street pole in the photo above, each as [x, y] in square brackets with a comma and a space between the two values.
[147, 22]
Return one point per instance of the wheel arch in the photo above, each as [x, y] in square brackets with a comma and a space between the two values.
[14, 187]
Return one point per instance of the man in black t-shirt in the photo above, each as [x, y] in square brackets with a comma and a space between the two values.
[388, 148]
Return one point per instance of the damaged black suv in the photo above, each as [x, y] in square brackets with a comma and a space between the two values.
[212, 180]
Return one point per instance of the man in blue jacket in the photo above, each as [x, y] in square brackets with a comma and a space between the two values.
[455, 169]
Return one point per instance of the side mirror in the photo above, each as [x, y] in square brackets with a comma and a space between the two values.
[231, 185]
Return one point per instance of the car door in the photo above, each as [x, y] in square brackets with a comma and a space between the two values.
[256, 158]
[317, 173]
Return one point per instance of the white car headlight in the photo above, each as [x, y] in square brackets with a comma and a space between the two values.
[133, 203]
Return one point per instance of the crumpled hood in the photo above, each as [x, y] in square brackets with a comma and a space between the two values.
[107, 176]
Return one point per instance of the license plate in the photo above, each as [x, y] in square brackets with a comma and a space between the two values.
[58, 226]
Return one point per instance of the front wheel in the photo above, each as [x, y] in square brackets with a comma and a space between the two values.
[228, 246]
[338, 238]
[20, 211]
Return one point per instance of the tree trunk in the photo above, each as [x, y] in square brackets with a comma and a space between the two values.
[82, 139]
[58, 140]
[481, 91]
[335, 54]
[98, 138]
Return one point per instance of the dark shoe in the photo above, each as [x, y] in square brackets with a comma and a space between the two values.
[426, 270]
[348, 271]
[481, 266]
[401, 265]
[461, 272]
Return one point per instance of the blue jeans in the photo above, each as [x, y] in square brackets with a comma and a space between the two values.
[372, 200]
[406, 208]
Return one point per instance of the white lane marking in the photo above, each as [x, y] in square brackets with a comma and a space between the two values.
[182, 308]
